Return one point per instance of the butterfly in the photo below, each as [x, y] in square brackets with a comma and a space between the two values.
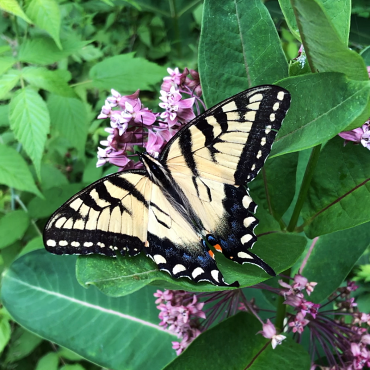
[188, 202]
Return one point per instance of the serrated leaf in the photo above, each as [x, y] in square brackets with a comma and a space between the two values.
[243, 34]
[14, 171]
[330, 269]
[323, 104]
[29, 119]
[6, 62]
[233, 344]
[7, 82]
[41, 293]
[46, 15]
[125, 73]
[47, 80]
[12, 227]
[325, 50]
[124, 275]
[339, 193]
[70, 118]
[12, 6]
[42, 50]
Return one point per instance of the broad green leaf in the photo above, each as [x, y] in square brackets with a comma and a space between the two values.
[234, 345]
[22, 344]
[42, 50]
[12, 6]
[275, 184]
[323, 104]
[126, 73]
[339, 194]
[4, 115]
[47, 80]
[54, 198]
[41, 293]
[5, 332]
[339, 13]
[243, 34]
[123, 275]
[48, 362]
[72, 367]
[7, 82]
[69, 116]
[324, 47]
[12, 227]
[29, 119]
[14, 171]
[6, 62]
[333, 257]
[68, 354]
[46, 15]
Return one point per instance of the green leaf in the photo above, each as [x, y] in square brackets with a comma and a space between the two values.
[54, 198]
[7, 82]
[46, 15]
[35, 243]
[126, 73]
[30, 121]
[91, 172]
[41, 293]
[42, 50]
[48, 362]
[339, 194]
[14, 171]
[12, 6]
[72, 367]
[325, 50]
[6, 62]
[243, 34]
[69, 116]
[12, 227]
[365, 54]
[4, 115]
[47, 80]
[275, 184]
[233, 345]
[339, 14]
[124, 275]
[323, 104]
[330, 269]
[52, 177]
[22, 344]
[5, 332]
[68, 354]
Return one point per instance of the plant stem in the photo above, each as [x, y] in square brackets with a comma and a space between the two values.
[304, 187]
[281, 308]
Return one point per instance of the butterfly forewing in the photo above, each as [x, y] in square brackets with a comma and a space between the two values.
[220, 152]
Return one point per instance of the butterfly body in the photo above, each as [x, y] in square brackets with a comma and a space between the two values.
[192, 196]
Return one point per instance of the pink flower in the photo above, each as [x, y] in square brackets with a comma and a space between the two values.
[360, 135]
[302, 283]
[269, 332]
[294, 300]
[310, 307]
[105, 111]
[299, 323]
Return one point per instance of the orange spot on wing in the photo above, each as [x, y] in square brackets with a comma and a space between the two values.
[211, 254]
[218, 247]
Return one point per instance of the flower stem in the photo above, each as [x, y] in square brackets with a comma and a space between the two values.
[304, 187]
[281, 307]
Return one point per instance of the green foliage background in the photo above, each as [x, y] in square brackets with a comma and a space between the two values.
[58, 62]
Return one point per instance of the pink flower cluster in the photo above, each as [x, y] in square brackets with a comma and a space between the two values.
[180, 313]
[133, 125]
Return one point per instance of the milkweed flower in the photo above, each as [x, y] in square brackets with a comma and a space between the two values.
[269, 331]
[360, 135]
